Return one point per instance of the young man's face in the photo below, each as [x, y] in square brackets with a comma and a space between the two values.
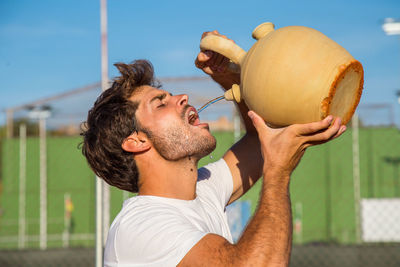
[172, 124]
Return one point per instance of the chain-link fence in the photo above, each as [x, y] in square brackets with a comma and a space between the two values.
[345, 194]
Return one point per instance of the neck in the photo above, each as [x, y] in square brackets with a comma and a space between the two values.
[163, 178]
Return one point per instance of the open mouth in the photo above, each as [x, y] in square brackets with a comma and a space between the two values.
[193, 117]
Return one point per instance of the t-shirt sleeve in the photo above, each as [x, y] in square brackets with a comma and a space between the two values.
[215, 183]
[164, 242]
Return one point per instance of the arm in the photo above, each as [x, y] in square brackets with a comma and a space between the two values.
[243, 158]
[266, 240]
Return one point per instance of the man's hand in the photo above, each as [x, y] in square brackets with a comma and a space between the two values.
[283, 148]
[216, 65]
[267, 239]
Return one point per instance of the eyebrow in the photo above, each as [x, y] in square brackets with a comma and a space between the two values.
[160, 96]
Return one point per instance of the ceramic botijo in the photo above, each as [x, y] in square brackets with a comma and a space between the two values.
[293, 75]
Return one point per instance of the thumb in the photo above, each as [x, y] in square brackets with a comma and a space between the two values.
[258, 122]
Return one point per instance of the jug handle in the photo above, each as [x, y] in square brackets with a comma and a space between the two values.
[226, 48]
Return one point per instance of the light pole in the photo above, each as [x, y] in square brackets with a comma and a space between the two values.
[102, 189]
[392, 27]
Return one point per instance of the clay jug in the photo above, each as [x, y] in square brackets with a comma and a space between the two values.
[293, 75]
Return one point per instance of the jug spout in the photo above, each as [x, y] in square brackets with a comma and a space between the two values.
[233, 94]
[262, 30]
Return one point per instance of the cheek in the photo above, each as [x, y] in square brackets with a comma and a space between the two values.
[168, 122]
[153, 121]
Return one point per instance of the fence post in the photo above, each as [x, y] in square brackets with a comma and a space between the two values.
[10, 123]
[22, 187]
[43, 183]
[356, 175]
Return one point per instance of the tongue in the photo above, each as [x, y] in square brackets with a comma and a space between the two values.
[196, 121]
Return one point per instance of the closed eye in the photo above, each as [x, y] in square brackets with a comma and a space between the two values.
[161, 99]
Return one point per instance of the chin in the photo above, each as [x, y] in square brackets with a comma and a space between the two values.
[208, 147]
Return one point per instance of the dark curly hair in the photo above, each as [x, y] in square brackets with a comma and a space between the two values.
[110, 121]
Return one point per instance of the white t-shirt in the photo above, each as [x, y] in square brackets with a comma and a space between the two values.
[158, 231]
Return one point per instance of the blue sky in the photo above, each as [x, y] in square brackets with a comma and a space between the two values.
[48, 47]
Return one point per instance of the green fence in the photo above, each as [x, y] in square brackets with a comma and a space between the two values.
[322, 188]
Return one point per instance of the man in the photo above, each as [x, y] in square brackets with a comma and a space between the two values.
[142, 139]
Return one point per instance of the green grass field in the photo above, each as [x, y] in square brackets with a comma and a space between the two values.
[322, 186]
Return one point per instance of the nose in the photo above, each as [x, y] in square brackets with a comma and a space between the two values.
[183, 100]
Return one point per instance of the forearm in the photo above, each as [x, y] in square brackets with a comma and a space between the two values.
[267, 238]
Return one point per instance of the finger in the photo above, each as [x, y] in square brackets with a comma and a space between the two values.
[199, 64]
[314, 127]
[202, 61]
[214, 32]
[258, 122]
[212, 62]
[340, 132]
[205, 34]
[328, 134]
[203, 66]
[219, 61]
[222, 67]
[204, 56]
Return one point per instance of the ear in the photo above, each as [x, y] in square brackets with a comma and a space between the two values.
[137, 142]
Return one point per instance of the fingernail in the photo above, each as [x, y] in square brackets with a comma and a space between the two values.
[251, 114]
[343, 129]
[329, 118]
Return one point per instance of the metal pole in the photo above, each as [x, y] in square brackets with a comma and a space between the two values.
[396, 178]
[106, 211]
[370, 156]
[356, 176]
[99, 222]
[43, 183]
[328, 194]
[104, 86]
[236, 124]
[125, 195]
[102, 202]
[22, 187]
[10, 125]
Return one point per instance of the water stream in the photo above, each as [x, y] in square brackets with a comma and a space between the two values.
[212, 101]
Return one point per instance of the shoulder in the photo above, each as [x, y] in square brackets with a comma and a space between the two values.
[149, 232]
[214, 169]
[144, 220]
[215, 182]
